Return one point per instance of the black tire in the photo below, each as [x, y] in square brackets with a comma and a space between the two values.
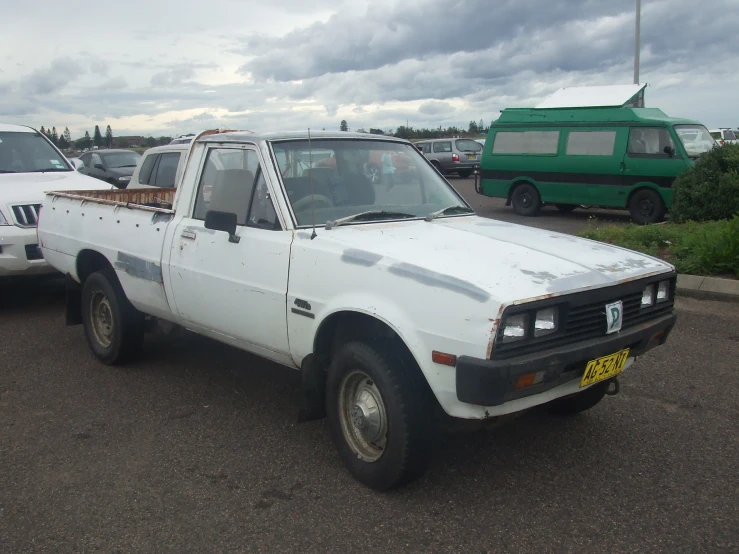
[576, 403]
[464, 174]
[526, 200]
[407, 403]
[566, 208]
[646, 206]
[120, 337]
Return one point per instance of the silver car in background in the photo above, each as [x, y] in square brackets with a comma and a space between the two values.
[453, 155]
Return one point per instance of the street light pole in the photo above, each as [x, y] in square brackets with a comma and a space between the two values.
[637, 45]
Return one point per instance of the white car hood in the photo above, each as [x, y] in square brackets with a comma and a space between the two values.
[490, 258]
[29, 188]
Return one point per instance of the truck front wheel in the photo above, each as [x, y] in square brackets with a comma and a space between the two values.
[379, 412]
[113, 327]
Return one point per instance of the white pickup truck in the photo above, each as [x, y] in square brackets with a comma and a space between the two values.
[390, 296]
[30, 165]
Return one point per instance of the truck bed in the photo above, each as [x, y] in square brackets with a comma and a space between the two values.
[146, 199]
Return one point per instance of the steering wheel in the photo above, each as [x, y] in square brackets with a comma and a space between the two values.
[318, 199]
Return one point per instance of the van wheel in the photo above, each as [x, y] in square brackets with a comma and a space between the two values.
[566, 208]
[526, 199]
[113, 327]
[576, 403]
[646, 206]
[379, 412]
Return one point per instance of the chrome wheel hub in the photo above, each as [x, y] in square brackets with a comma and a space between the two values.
[363, 416]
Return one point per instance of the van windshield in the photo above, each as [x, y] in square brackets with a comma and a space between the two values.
[695, 138]
[327, 180]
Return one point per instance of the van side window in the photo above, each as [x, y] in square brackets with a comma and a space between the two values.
[526, 142]
[442, 147]
[591, 143]
[649, 141]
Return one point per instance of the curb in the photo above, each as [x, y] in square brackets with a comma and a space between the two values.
[709, 288]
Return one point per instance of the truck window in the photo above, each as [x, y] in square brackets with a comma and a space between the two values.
[649, 141]
[262, 213]
[146, 167]
[591, 143]
[442, 147]
[166, 170]
[526, 142]
[227, 182]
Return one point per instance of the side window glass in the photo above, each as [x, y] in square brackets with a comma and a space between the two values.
[146, 167]
[442, 147]
[227, 182]
[427, 148]
[591, 143]
[650, 141]
[86, 160]
[262, 213]
[526, 142]
[96, 160]
[166, 170]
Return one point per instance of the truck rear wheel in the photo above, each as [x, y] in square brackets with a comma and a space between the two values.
[526, 199]
[576, 403]
[379, 413]
[113, 327]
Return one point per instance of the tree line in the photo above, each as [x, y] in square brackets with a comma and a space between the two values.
[407, 132]
[65, 141]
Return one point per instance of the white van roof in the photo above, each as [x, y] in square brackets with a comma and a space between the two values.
[592, 97]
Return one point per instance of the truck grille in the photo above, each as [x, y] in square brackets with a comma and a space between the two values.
[27, 214]
[583, 317]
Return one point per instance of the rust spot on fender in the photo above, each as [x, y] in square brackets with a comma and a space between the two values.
[494, 331]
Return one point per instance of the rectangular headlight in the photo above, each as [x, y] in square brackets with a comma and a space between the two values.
[647, 298]
[514, 328]
[663, 291]
[546, 322]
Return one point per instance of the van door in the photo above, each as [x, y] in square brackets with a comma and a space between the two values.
[647, 160]
[591, 167]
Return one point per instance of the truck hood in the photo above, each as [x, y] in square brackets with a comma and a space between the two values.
[29, 188]
[490, 258]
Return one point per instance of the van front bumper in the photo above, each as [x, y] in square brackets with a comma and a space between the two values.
[492, 382]
[20, 254]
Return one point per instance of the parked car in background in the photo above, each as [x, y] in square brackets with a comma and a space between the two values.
[460, 156]
[160, 167]
[724, 136]
[611, 157]
[30, 165]
[113, 166]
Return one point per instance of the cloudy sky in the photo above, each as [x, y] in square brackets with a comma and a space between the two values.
[155, 67]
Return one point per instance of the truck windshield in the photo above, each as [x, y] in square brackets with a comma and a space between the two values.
[339, 178]
[28, 153]
[695, 138]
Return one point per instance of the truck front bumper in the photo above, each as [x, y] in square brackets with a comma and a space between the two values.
[492, 382]
[20, 254]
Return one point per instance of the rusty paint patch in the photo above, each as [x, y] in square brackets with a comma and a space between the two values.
[494, 331]
[138, 267]
[539, 276]
[134, 198]
[439, 280]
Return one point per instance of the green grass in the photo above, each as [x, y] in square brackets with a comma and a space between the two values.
[709, 248]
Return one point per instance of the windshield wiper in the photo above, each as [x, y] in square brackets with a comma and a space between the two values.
[50, 169]
[7, 171]
[449, 210]
[368, 216]
[119, 166]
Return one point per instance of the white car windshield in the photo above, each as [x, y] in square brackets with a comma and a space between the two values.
[695, 138]
[371, 179]
[29, 153]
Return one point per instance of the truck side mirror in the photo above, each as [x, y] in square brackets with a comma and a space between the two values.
[222, 221]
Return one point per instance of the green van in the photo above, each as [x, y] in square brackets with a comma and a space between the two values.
[615, 157]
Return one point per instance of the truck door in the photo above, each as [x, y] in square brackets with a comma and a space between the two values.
[233, 284]
[647, 160]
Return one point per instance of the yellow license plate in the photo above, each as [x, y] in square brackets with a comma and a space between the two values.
[471, 156]
[604, 368]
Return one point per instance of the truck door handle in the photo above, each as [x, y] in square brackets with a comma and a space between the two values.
[187, 234]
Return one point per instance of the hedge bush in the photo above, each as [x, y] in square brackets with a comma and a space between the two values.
[710, 190]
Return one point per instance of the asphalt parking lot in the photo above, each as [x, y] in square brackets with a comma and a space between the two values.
[195, 449]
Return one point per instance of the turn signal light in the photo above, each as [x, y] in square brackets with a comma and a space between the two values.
[443, 358]
[455, 157]
[528, 379]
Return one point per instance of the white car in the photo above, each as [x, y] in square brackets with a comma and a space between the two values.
[30, 165]
[724, 136]
[395, 303]
[159, 167]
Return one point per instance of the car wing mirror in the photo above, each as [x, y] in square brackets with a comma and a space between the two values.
[222, 221]
[669, 151]
[77, 164]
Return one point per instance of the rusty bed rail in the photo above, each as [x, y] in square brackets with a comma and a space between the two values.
[155, 200]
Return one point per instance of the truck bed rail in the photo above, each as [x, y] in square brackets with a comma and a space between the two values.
[155, 200]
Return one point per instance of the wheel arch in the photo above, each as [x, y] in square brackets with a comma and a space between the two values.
[518, 181]
[88, 262]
